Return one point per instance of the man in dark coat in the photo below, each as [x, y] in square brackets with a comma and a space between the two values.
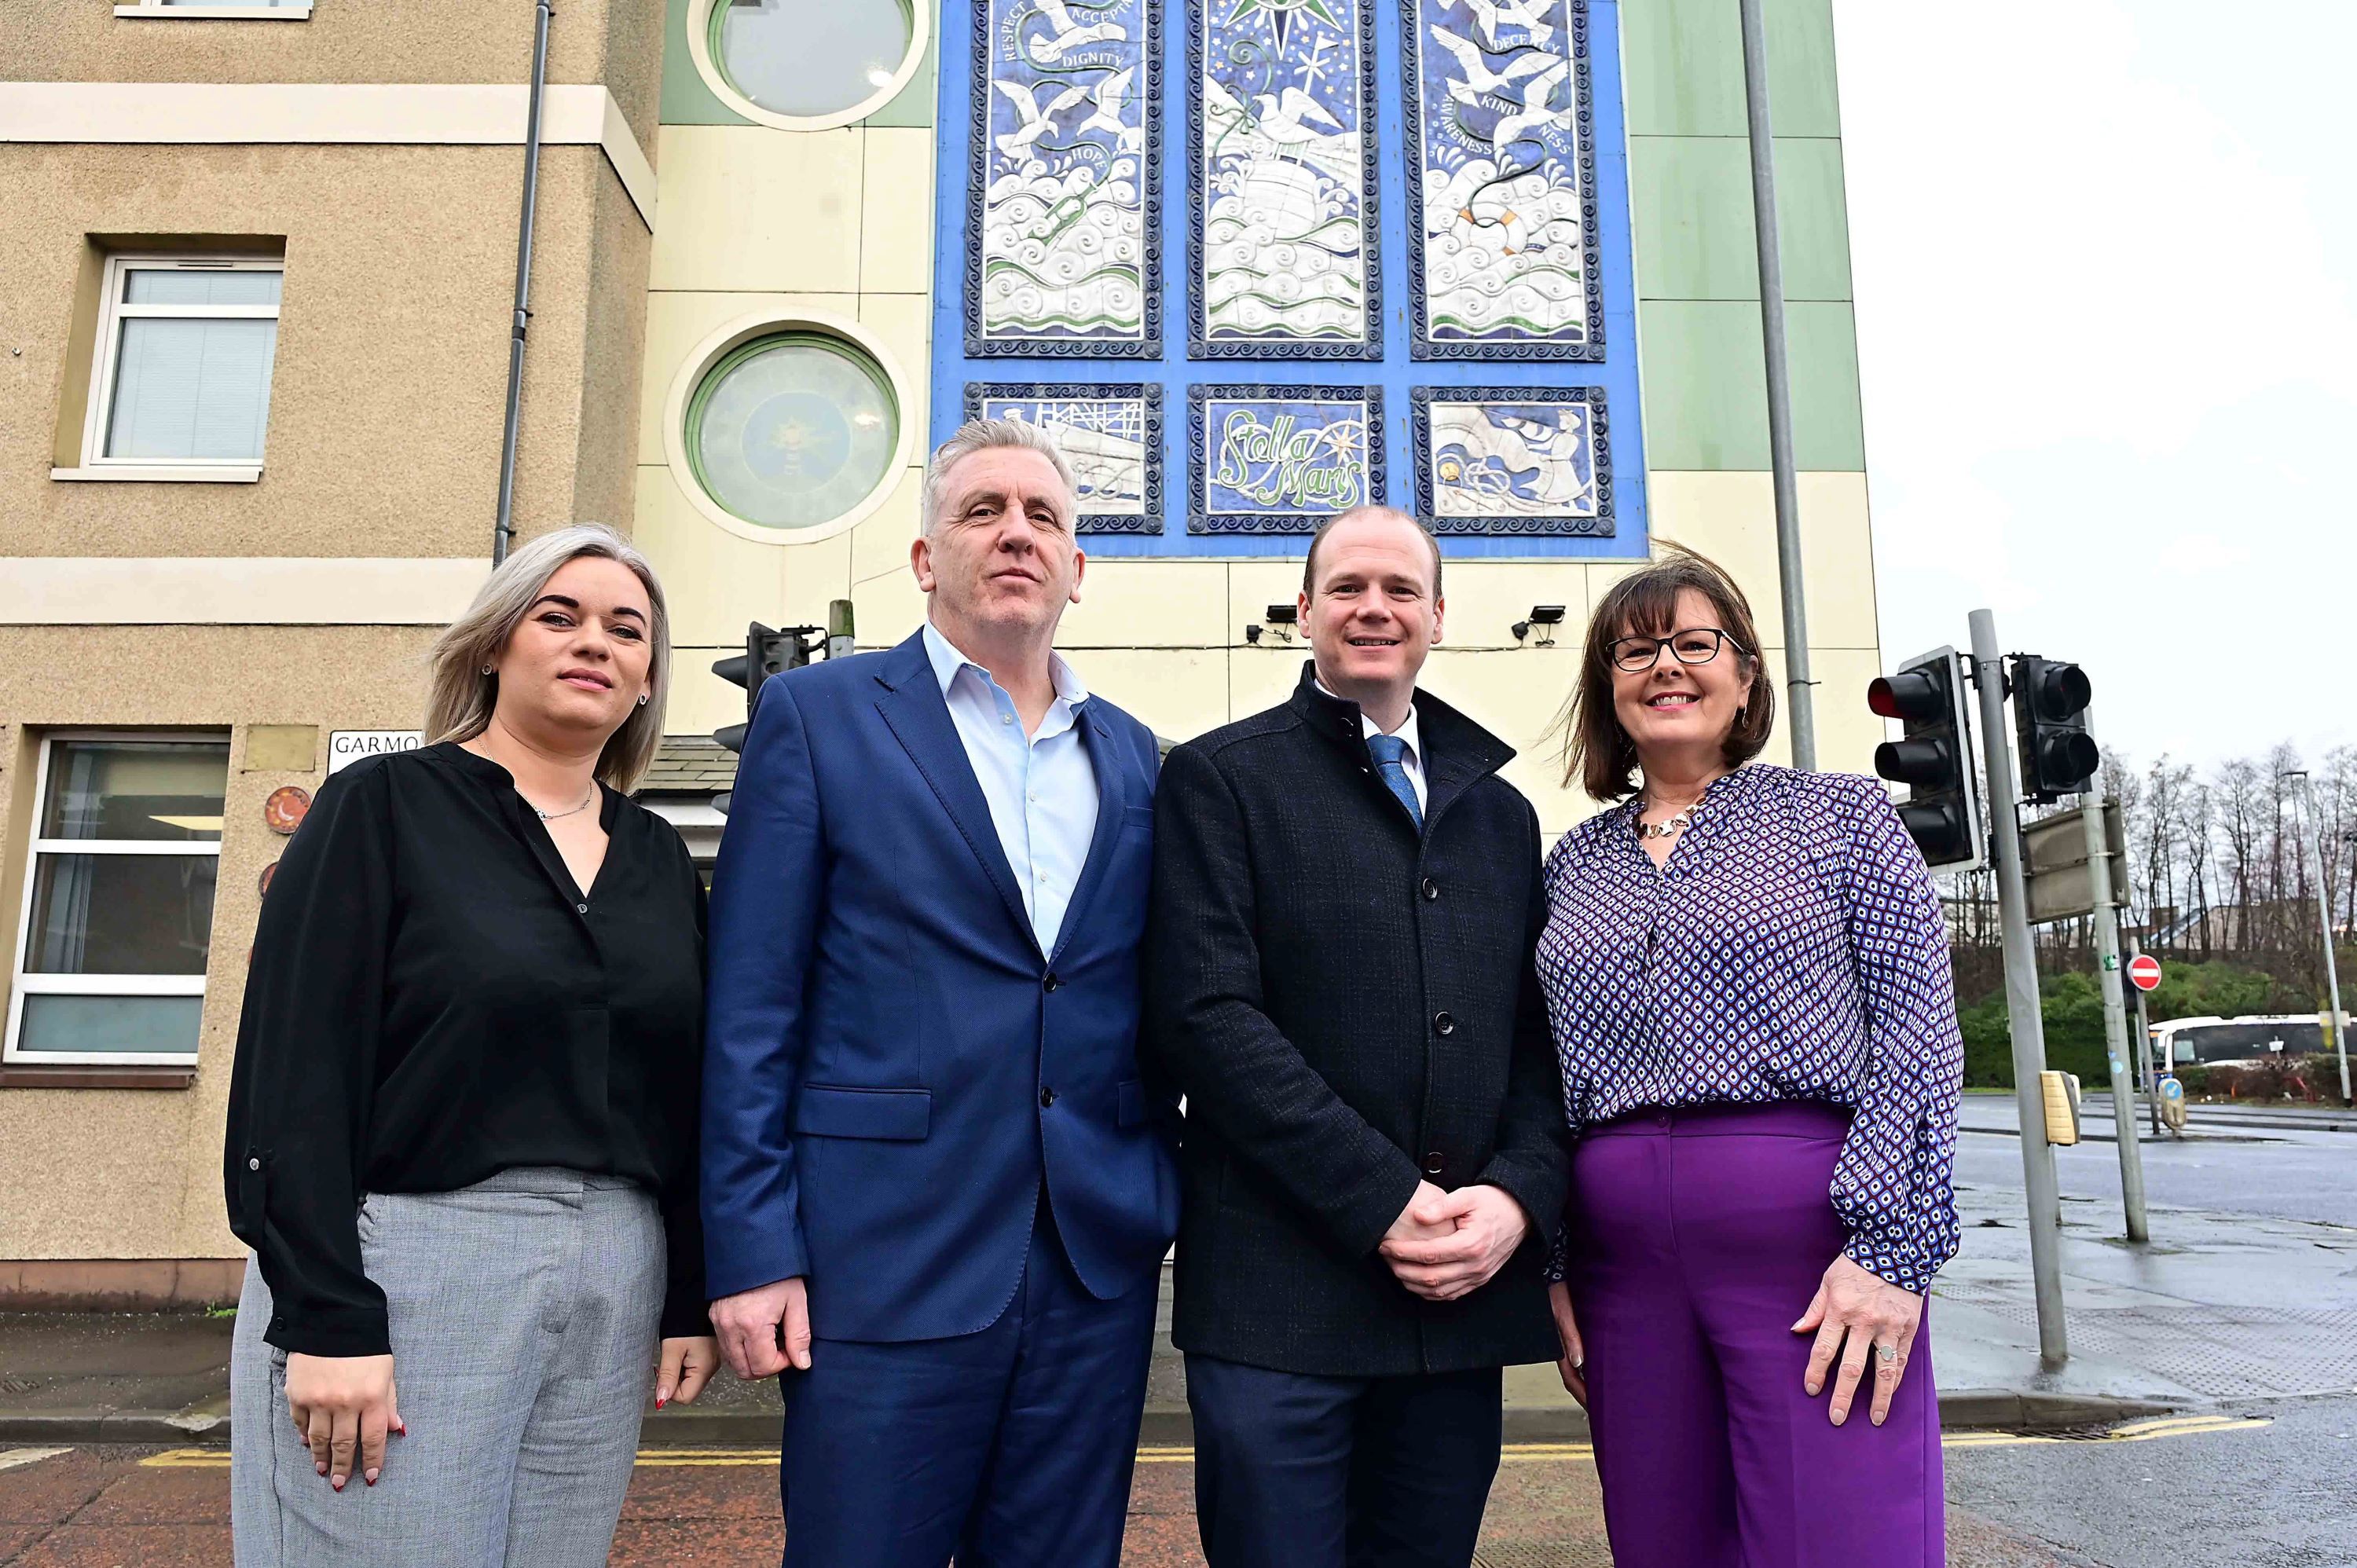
[1346, 901]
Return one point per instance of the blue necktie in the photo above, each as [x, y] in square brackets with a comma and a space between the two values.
[1388, 750]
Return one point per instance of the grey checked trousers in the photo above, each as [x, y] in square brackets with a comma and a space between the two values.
[523, 1318]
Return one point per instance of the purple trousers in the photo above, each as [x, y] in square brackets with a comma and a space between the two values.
[1697, 1238]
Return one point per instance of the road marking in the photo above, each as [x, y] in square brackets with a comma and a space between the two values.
[16, 1459]
[1183, 1453]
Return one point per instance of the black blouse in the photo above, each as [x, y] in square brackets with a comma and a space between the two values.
[432, 1000]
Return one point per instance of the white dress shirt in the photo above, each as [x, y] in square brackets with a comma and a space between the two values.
[1041, 789]
[1412, 763]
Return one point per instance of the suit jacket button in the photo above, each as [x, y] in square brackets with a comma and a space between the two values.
[1442, 1024]
[1047, 1097]
[1434, 1163]
[1051, 984]
[1431, 889]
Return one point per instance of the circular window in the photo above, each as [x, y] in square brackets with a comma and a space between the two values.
[808, 64]
[792, 430]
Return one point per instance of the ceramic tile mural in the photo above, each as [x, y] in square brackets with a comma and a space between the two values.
[1063, 222]
[1203, 322]
[1502, 233]
[1111, 435]
[1512, 460]
[1280, 460]
[1281, 179]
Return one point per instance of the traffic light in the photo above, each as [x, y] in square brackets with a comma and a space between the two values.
[767, 651]
[1942, 811]
[2058, 756]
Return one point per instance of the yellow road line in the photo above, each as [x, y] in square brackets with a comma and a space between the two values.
[1513, 1453]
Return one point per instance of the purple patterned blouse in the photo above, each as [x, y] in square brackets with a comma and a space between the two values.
[1791, 947]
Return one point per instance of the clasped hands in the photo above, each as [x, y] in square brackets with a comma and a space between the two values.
[1449, 1244]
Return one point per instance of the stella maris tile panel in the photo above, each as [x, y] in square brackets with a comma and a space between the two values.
[1111, 433]
[1064, 222]
[1281, 460]
[1503, 253]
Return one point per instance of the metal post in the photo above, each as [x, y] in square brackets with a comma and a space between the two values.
[2027, 1027]
[1799, 688]
[505, 529]
[2115, 1014]
[2148, 1066]
[2312, 841]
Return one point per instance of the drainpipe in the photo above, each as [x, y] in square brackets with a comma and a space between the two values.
[505, 530]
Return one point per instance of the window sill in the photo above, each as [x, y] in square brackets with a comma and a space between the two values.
[128, 473]
[85, 1075]
[219, 12]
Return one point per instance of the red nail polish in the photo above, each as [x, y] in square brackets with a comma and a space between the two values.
[661, 1402]
[337, 1483]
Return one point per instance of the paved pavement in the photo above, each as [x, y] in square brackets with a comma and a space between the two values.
[115, 1507]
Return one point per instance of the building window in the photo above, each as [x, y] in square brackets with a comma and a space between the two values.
[185, 349]
[807, 65]
[789, 430]
[118, 909]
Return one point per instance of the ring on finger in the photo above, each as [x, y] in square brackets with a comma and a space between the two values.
[1889, 1353]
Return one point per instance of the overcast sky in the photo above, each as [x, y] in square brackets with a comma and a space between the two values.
[2106, 254]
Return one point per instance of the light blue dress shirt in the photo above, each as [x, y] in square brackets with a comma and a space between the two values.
[1041, 789]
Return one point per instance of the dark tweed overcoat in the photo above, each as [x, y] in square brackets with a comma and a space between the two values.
[1348, 1005]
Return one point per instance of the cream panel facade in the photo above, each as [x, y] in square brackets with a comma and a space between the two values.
[759, 210]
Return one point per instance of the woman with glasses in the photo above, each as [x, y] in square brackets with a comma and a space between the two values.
[1747, 973]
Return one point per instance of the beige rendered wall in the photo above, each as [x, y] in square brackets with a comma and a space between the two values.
[391, 375]
[616, 42]
[383, 443]
[136, 1173]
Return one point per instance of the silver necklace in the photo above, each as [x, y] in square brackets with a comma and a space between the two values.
[1677, 823]
[551, 816]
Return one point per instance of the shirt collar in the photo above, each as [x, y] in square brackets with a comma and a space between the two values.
[1369, 729]
[947, 662]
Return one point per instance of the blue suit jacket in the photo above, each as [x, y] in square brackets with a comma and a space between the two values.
[892, 1064]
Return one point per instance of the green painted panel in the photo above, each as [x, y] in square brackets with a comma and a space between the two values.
[914, 104]
[1707, 390]
[1692, 197]
[687, 100]
[1683, 61]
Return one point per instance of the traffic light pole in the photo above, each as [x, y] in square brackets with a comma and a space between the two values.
[2115, 1013]
[1798, 693]
[2027, 1027]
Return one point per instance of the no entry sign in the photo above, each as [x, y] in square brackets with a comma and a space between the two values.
[2144, 971]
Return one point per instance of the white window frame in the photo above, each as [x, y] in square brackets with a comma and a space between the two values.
[21, 984]
[113, 313]
[217, 12]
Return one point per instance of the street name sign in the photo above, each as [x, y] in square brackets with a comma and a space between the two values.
[2144, 971]
[345, 746]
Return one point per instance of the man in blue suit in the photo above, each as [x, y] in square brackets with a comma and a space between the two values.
[937, 1187]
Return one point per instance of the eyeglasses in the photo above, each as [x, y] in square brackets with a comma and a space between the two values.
[1694, 645]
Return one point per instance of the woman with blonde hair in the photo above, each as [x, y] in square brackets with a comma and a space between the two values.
[1747, 973]
[462, 1123]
